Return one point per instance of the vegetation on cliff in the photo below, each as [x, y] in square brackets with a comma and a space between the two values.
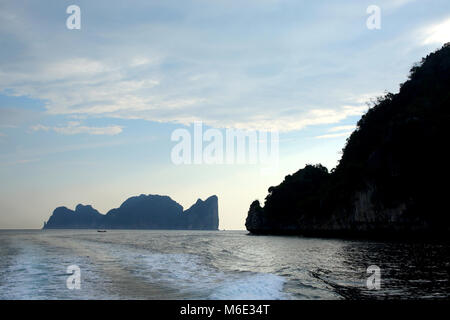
[391, 179]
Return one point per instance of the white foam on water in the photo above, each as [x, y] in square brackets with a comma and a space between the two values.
[22, 278]
[188, 272]
[34, 273]
[260, 286]
[183, 270]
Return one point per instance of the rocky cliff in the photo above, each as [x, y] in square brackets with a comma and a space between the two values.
[82, 217]
[391, 179]
[203, 215]
[141, 212]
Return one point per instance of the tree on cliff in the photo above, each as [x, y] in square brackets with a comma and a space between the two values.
[391, 168]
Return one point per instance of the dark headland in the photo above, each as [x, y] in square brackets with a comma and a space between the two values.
[392, 179]
[141, 212]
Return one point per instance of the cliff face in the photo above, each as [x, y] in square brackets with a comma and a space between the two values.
[141, 212]
[203, 215]
[146, 212]
[82, 217]
[391, 179]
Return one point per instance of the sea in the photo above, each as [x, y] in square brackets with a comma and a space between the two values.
[224, 265]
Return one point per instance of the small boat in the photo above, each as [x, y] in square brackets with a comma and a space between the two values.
[101, 230]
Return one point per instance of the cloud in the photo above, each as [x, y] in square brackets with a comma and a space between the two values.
[342, 128]
[39, 151]
[40, 127]
[76, 128]
[348, 129]
[23, 161]
[396, 4]
[104, 90]
[254, 65]
[334, 135]
[18, 162]
[13, 117]
[437, 34]
[70, 130]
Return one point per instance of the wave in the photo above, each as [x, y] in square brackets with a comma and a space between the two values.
[190, 273]
[260, 286]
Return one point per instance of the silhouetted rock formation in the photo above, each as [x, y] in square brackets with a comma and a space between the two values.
[142, 212]
[202, 215]
[390, 181]
[82, 217]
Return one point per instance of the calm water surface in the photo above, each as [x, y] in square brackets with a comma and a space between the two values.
[124, 264]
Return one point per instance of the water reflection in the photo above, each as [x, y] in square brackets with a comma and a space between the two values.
[408, 270]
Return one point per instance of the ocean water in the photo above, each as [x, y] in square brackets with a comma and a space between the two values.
[149, 264]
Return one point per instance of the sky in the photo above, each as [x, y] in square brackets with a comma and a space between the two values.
[88, 115]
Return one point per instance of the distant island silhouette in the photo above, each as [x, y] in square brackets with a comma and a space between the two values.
[392, 179]
[141, 212]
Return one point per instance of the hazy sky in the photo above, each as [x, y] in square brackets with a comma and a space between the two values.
[86, 116]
